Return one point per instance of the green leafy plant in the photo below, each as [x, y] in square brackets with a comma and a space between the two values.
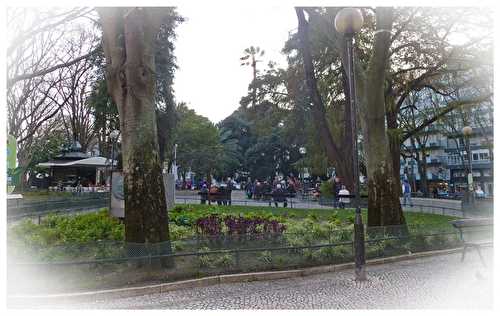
[265, 256]
[326, 189]
[225, 260]
[205, 261]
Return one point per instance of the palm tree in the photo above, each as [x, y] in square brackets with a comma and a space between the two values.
[249, 59]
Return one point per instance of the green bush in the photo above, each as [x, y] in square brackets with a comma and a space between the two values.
[312, 217]
[205, 261]
[180, 232]
[334, 219]
[332, 254]
[226, 261]
[326, 189]
[56, 230]
[418, 242]
[443, 241]
[215, 260]
[265, 256]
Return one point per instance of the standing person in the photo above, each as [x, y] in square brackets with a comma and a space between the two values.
[258, 190]
[342, 199]
[213, 195]
[435, 192]
[222, 192]
[279, 196]
[337, 186]
[406, 193]
[229, 190]
[203, 194]
[266, 192]
[249, 189]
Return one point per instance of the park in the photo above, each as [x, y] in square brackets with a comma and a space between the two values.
[355, 159]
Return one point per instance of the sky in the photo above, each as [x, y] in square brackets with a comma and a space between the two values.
[208, 47]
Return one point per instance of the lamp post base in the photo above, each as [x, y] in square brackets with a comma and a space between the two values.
[360, 273]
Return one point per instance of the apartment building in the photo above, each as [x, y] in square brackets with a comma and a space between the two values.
[446, 156]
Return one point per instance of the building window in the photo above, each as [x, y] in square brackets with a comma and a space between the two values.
[475, 157]
[483, 156]
[459, 174]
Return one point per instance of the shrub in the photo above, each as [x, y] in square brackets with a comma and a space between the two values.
[334, 219]
[57, 230]
[330, 254]
[265, 256]
[210, 225]
[326, 189]
[215, 260]
[312, 217]
[351, 218]
[205, 261]
[439, 242]
[225, 260]
[216, 224]
[417, 242]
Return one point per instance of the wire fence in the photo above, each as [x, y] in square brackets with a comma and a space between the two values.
[116, 263]
[18, 209]
[325, 203]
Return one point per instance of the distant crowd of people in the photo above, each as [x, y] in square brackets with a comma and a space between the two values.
[220, 194]
[277, 190]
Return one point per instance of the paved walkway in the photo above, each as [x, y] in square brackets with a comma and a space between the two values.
[436, 206]
[433, 282]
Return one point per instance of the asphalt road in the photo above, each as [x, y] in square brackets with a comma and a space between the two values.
[432, 282]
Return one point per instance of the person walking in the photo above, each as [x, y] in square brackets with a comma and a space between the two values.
[406, 188]
[343, 197]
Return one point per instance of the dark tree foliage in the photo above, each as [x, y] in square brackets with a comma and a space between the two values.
[165, 71]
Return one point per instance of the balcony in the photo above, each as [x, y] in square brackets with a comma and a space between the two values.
[437, 161]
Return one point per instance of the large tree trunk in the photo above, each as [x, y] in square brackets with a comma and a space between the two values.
[384, 207]
[128, 38]
[393, 135]
[339, 157]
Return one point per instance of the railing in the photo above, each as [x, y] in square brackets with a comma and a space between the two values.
[331, 203]
[37, 210]
[18, 209]
[219, 255]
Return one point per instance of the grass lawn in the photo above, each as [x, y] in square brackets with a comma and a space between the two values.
[412, 218]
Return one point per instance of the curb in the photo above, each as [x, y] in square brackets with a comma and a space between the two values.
[20, 300]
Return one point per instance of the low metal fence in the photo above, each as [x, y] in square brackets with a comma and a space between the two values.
[115, 263]
[329, 204]
[36, 209]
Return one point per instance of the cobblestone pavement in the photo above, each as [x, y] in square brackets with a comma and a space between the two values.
[432, 282]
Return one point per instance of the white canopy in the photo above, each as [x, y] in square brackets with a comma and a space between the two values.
[87, 162]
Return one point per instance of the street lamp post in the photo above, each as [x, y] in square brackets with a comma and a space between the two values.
[467, 132]
[348, 22]
[302, 151]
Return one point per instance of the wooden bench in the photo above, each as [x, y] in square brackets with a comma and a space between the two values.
[475, 233]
